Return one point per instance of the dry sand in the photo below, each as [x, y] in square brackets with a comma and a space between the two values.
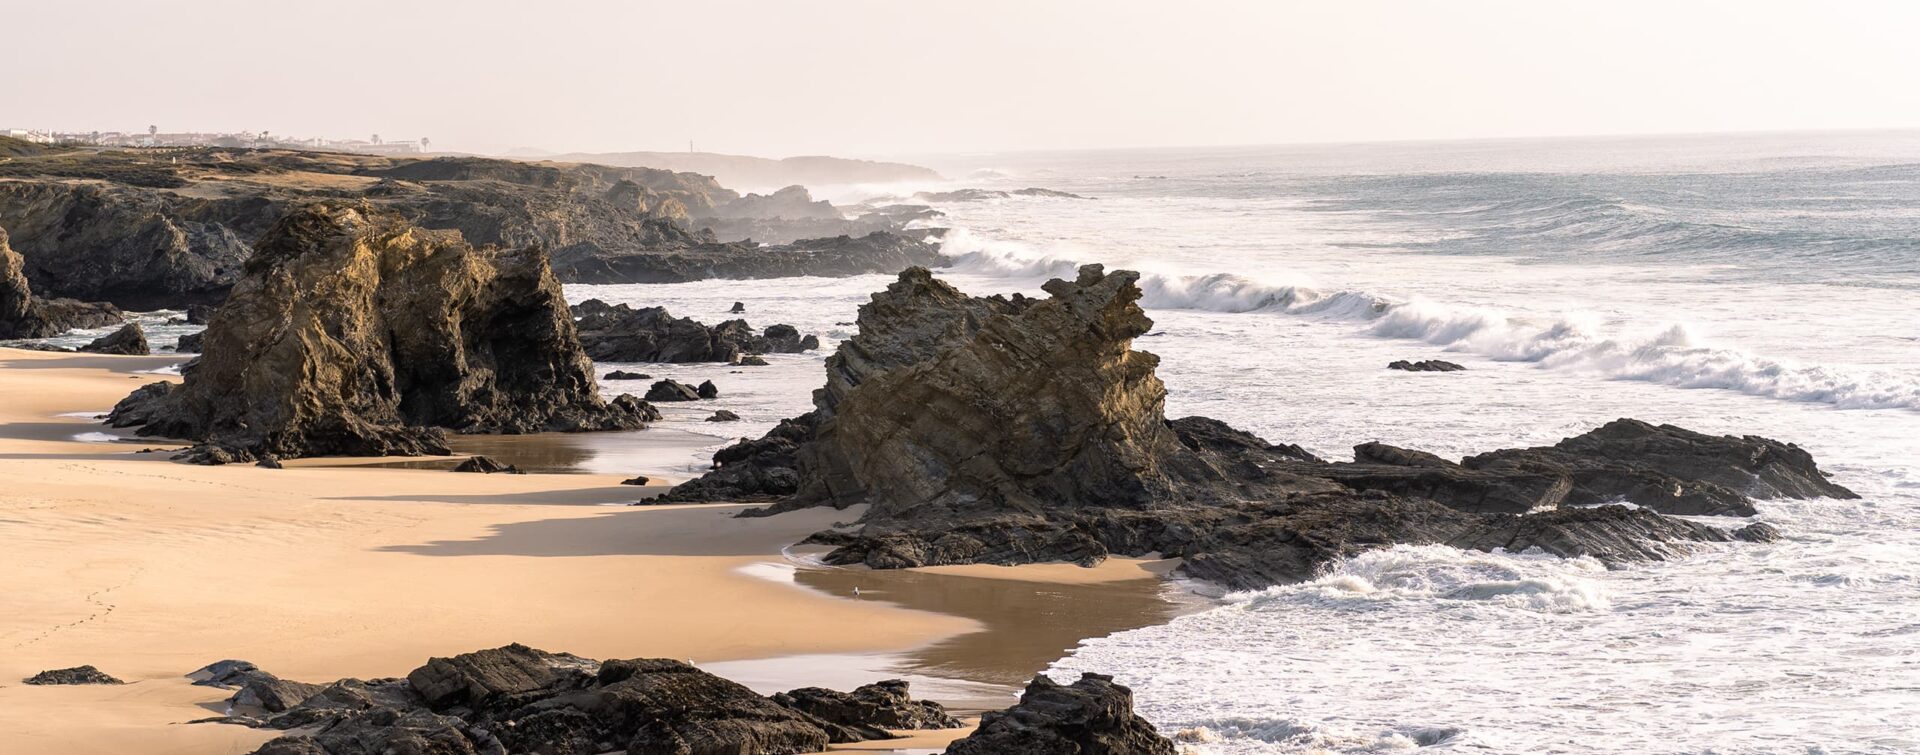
[149, 569]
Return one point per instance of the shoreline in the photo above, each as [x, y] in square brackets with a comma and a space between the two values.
[334, 568]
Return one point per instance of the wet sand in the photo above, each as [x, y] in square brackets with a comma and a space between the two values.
[150, 569]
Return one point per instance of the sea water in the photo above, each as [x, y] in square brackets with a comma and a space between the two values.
[1762, 284]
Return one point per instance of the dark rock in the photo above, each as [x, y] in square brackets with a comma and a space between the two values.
[1426, 365]
[230, 673]
[486, 465]
[355, 333]
[708, 390]
[129, 340]
[619, 333]
[738, 308]
[1094, 715]
[269, 461]
[625, 375]
[835, 257]
[199, 314]
[190, 343]
[75, 675]
[873, 708]
[792, 202]
[724, 416]
[993, 430]
[637, 480]
[499, 678]
[753, 360]
[672, 390]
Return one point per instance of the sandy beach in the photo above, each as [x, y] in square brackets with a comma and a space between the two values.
[150, 569]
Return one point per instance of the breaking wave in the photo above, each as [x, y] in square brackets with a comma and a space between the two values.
[1670, 354]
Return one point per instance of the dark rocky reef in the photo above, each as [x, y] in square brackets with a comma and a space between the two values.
[75, 675]
[1093, 715]
[354, 332]
[835, 257]
[672, 390]
[1425, 365]
[997, 430]
[23, 315]
[980, 195]
[516, 699]
[129, 340]
[619, 333]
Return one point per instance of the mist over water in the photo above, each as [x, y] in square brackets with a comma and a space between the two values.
[1763, 285]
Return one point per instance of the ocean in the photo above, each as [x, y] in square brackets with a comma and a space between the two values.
[1752, 284]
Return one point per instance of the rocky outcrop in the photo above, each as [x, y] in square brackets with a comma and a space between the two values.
[75, 675]
[996, 430]
[485, 465]
[619, 333]
[672, 390]
[190, 343]
[1093, 715]
[724, 416]
[129, 340]
[836, 257]
[356, 333]
[23, 315]
[1425, 365]
[882, 704]
[517, 699]
[792, 202]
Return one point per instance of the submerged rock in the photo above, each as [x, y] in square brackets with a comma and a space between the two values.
[996, 430]
[707, 389]
[1093, 715]
[129, 340]
[517, 699]
[353, 332]
[724, 416]
[75, 675]
[672, 390]
[737, 308]
[1425, 365]
[619, 333]
[625, 375]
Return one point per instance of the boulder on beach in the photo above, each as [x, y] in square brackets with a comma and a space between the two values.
[75, 675]
[354, 332]
[1013, 430]
[724, 416]
[1093, 715]
[129, 340]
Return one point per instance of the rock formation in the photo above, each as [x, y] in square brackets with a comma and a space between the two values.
[619, 333]
[1012, 430]
[356, 333]
[838, 256]
[23, 315]
[1094, 715]
[516, 699]
[672, 390]
[485, 465]
[129, 340]
[1425, 365]
[75, 675]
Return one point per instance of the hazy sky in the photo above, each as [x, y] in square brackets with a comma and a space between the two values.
[885, 77]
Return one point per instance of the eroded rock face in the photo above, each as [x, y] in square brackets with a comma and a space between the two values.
[619, 333]
[517, 699]
[994, 430]
[356, 333]
[1093, 715]
[23, 315]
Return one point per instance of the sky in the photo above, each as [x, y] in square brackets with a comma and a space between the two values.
[892, 77]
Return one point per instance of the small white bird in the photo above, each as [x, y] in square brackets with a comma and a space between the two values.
[856, 591]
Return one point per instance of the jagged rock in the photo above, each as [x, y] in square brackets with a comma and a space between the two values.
[707, 389]
[517, 699]
[229, 673]
[878, 706]
[254, 688]
[1425, 365]
[751, 360]
[625, 375]
[672, 390]
[724, 416]
[356, 333]
[619, 333]
[129, 340]
[1093, 716]
[486, 465]
[792, 202]
[75, 675]
[738, 308]
[992, 430]
[637, 480]
[23, 315]
[191, 343]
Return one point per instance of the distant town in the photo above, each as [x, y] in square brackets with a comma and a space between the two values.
[154, 137]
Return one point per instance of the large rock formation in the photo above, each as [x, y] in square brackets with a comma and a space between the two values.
[516, 699]
[996, 430]
[129, 340]
[23, 315]
[354, 332]
[619, 333]
[1093, 716]
[117, 226]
